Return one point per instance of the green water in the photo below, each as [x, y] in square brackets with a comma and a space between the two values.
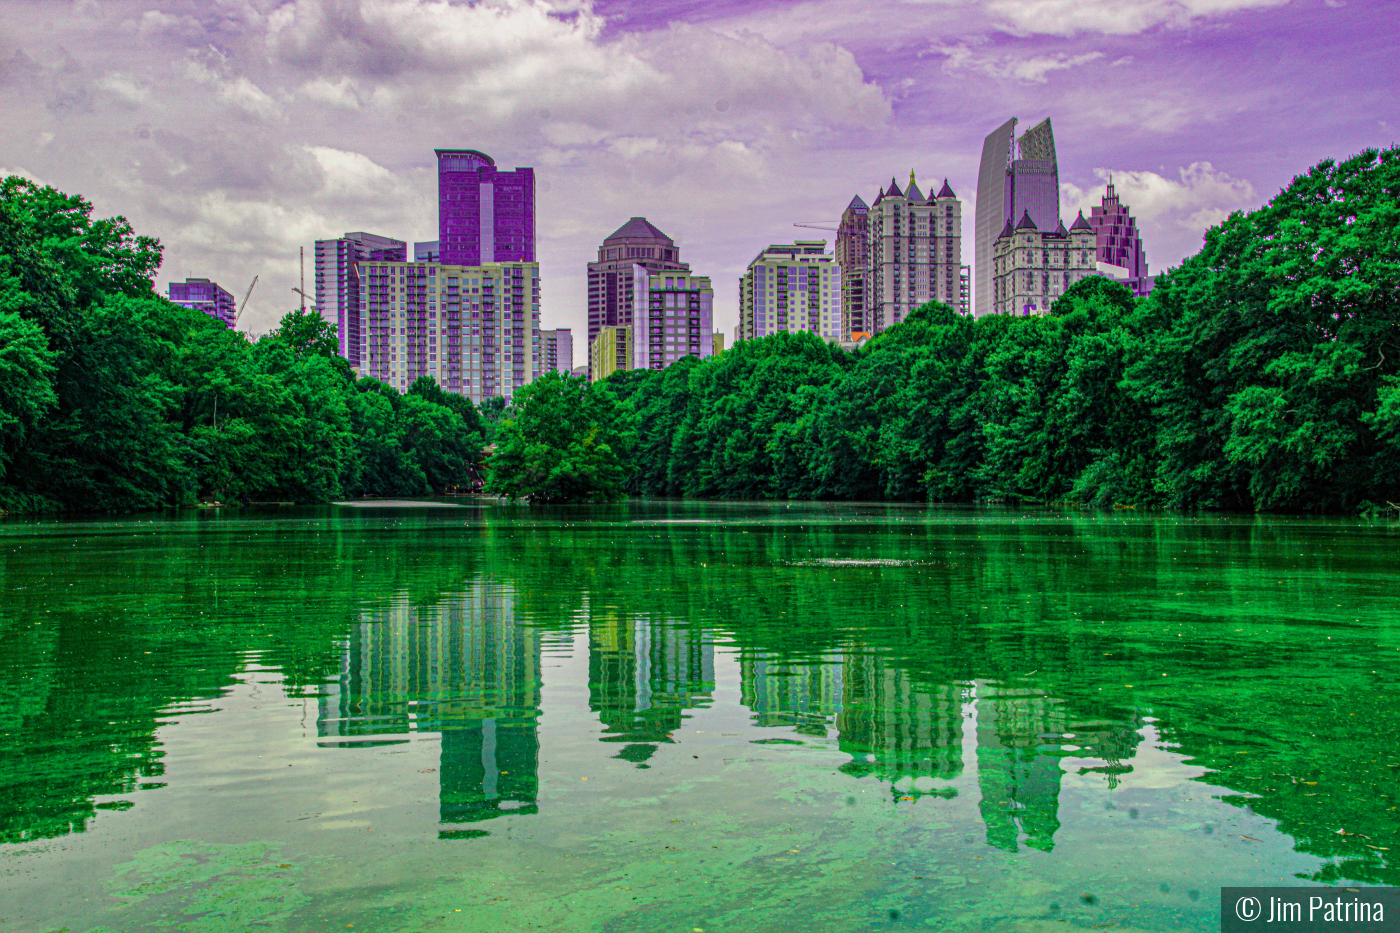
[690, 716]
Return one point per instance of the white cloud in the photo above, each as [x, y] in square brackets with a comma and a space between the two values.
[125, 87]
[340, 93]
[1111, 17]
[1032, 69]
[1172, 214]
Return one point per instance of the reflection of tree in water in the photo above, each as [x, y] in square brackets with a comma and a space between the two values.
[464, 668]
[642, 675]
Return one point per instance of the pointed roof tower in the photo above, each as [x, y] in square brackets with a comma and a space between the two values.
[913, 193]
[1028, 224]
[1060, 229]
[638, 228]
[1080, 223]
[1007, 231]
[945, 191]
[894, 191]
[857, 204]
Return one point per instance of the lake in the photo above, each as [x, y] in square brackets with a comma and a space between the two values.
[690, 716]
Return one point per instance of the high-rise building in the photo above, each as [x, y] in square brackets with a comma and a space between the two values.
[791, 287]
[1009, 188]
[678, 320]
[204, 295]
[485, 215]
[556, 351]
[1119, 243]
[611, 301]
[852, 255]
[915, 253]
[716, 343]
[338, 288]
[426, 251]
[610, 351]
[474, 329]
[1030, 268]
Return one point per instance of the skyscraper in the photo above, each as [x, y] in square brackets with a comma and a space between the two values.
[915, 249]
[852, 255]
[485, 215]
[556, 351]
[791, 287]
[676, 318]
[611, 301]
[338, 296]
[204, 295]
[1009, 188]
[1119, 243]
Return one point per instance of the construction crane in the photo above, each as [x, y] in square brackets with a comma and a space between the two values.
[246, 295]
[817, 226]
[302, 291]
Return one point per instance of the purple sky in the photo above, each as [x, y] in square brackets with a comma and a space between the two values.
[238, 130]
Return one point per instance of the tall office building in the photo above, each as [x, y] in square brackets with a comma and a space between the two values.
[338, 287]
[852, 255]
[611, 279]
[677, 320]
[474, 329]
[1119, 243]
[1009, 188]
[915, 253]
[485, 215]
[556, 351]
[204, 295]
[791, 287]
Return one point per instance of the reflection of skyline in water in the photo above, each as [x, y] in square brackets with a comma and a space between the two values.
[464, 668]
[469, 669]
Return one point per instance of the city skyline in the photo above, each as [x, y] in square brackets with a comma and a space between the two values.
[236, 136]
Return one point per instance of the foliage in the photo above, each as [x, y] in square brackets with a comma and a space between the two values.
[114, 398]
[1260, 374]
[563, 440]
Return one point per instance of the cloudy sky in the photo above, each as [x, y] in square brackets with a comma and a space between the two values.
[239, 130]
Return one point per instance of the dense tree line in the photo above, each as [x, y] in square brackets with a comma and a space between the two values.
[1260, 374]
[112, 397]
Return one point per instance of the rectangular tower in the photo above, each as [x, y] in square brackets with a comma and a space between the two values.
[338, 288]
[204, 295]
[610, 352]
[677, 320]
[852, 254]
[1010, 189]
[485, 215]
[475, 330]
[915, 245]
[791, 287]
[556, 351]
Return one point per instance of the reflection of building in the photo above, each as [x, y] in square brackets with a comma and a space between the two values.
[786, 693]
[642, 675]
[464, 669]
[896, 727]
[1018, 777]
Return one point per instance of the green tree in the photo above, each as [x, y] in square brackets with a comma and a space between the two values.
[564, 441]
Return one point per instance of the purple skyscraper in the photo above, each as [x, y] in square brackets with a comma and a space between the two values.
[484, 215]
[1119, 243]
[204, 295]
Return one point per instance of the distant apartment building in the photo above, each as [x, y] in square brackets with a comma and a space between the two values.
[612, 299]
[474, 329]
[485, 215]
[204, 295]
[853, 255]
[338, 288]
[556, 351]
[915, 253]
[610, 352]
[678, 320]
[1032, 268]
[791, 287]
[1119, 244]
[426, 251]
[1009, 188]
[716, 343]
